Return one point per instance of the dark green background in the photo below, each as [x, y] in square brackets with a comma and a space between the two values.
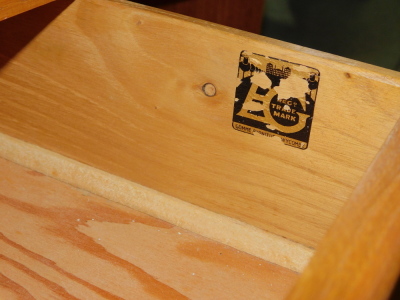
[365, 30]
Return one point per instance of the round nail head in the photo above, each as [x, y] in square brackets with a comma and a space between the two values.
[209, 89]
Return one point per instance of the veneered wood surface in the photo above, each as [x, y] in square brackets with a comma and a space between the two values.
[57, 241]
[360, 256]
[10, 8]
[119, 86]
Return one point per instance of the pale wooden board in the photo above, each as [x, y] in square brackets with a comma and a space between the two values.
[57, 241]
[118, 86]
[220, 228]
[10, 8]
[359, 258]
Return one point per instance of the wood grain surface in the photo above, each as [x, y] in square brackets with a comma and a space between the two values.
[359, 258]
[10, 8]
[59, 242]
[217, 227]
[118, 86]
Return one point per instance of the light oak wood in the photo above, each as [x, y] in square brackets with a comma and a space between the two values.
[118, 86]
[10, 8]
[359, 258]
[57, 241]
[217, 227]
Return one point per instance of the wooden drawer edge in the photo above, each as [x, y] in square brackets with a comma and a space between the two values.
[229, 231]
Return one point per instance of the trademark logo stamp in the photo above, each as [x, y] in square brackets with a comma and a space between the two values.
[275, 98]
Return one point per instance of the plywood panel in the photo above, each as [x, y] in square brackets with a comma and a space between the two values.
[119, 86]
[57, 241]
[217, 227]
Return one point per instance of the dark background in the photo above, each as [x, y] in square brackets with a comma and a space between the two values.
[365, 30]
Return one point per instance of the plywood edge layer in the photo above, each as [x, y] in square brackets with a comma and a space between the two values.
[220, 228]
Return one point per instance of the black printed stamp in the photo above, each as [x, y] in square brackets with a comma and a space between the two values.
[275, 98]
